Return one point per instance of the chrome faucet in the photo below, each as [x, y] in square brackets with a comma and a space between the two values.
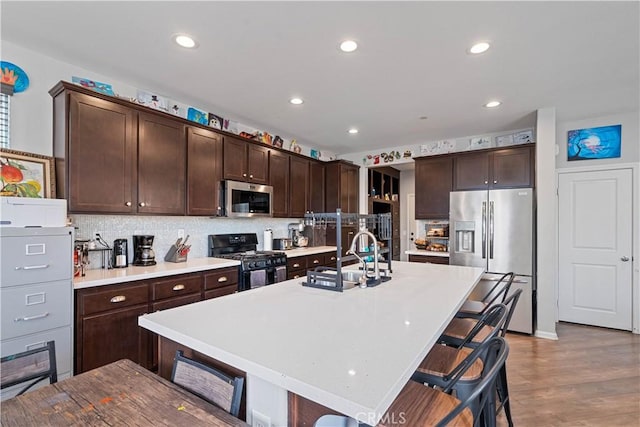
[353, 250]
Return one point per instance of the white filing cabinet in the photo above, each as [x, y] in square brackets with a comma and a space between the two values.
[36, 293]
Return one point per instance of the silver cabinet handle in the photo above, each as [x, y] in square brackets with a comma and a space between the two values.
[222, 279]
[118, 298]
[495, 181]
[251, 176]
[244, 175]
[33, 267]
[25, 319]
[624, 259]
[486, 182]
[128, 204]
[296, 265]
[178, 287]
[315, 261]
[333, 258]
[142, 204]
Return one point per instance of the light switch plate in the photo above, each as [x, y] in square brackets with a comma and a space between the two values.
[180, 233]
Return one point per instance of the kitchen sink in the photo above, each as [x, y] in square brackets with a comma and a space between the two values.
[350, 279]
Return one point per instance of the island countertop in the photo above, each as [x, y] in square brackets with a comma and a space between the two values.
[351, 351]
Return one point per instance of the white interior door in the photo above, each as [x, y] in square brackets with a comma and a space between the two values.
[595, 248]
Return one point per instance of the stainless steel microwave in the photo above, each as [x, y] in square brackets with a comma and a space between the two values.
[243, 199]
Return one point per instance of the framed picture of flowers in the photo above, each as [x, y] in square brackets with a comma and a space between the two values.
[26, 174]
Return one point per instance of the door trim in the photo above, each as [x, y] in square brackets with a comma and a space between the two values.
[635, 226]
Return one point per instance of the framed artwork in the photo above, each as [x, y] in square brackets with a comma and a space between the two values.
[26, 174]
[594, 143]
[105, 88]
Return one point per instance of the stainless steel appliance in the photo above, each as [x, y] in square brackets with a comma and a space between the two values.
[257, 268]
[142, 253]
[243, 199]
[120, 254]
[282, 244]
[495, 230]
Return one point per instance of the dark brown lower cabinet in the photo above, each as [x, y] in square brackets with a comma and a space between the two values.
[106, 317]
[112, 336]
[429, 258]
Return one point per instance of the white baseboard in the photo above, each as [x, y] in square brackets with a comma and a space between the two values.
[546, 335]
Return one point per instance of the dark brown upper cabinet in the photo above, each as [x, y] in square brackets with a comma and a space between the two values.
[279, 180]
[488, 169]
[433, 185]
[161, 165]
[316, 186]
[342, 186]
[298, 186]
[115, 159]
[96, 159]
[204, 172]
[245, 161]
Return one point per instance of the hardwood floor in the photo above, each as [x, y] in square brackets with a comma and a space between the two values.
[589, 377]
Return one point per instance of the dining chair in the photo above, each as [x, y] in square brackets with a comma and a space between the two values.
[497, 294]
[208, 383]
[31, 365]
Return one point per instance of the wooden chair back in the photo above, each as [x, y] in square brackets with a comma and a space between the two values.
[31, 365]
[208, 383]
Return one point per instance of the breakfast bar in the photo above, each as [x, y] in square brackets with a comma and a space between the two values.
[350, 352]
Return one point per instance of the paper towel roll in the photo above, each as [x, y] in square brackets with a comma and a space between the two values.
[268, 240]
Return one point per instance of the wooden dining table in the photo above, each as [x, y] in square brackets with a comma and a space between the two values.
[119, 394]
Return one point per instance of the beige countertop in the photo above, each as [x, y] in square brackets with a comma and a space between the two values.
[100, 277]
[292, 253]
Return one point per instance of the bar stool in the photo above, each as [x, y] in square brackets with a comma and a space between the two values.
[497, 294]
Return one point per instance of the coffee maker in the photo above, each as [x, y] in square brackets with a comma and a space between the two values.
[142, 252]
[120, 257]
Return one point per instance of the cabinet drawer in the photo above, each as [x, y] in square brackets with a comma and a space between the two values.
[221, 278]
[35, 259]
[296, 274]
[330, 259]
[220, 292]
[175, 302]
[297, 263]
[176, 286]
[64, 357]
[113, 298]
[35, 308]
[314, 261]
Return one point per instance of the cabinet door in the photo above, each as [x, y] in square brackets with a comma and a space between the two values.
[161, 165]
[279, 180]
[433, 185]
[350, 189]
[257, 164]
[316, 186]
[471, 171]
[512, 168]
[204, 172]
[112, 336]
[235, 159]
[101, 163]
[299, 185]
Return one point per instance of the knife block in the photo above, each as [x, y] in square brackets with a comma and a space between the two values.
[174, 255]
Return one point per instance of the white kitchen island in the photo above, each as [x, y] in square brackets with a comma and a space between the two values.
[350, 351]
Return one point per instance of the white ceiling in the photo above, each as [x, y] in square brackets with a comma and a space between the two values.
[580, 57]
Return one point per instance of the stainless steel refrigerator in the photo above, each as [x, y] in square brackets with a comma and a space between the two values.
[495, 230]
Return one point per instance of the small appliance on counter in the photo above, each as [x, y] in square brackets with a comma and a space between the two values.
[282, 244]
[120, 256]
[295, 234]
[143, 255]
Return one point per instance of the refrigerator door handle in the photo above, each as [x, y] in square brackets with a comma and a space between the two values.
[484, 230]
[491, 229]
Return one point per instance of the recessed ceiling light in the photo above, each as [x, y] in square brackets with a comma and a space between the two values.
[296, 101]
[185, 41]
[353, 131]
[479, 47]
[348, 46]
[492, 104]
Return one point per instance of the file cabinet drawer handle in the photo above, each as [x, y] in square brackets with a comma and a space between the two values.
[222, 279]
[118, 298]
[178, 287]
[25, 319]
[33, 267]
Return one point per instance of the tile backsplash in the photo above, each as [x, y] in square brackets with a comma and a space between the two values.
[165, 229]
